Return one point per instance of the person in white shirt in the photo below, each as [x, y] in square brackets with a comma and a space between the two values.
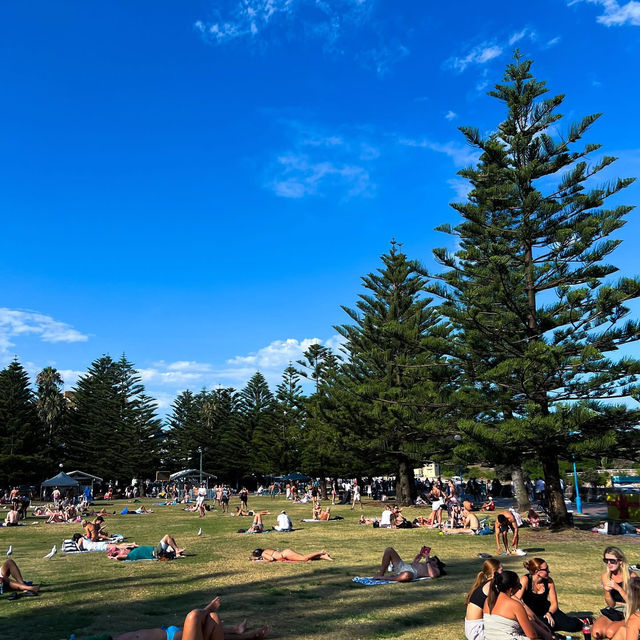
[284, 522]
[385, 518]
[356, 498]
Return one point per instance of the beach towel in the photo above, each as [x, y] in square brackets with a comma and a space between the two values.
[370, 582]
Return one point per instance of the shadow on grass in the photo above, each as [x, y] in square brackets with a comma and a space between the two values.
[338, 605]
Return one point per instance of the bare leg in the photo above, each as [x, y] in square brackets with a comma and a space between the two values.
[13, 577]
[173, 544]
[390, 556]
[294, 556]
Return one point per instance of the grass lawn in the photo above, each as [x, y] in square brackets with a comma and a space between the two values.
[88, 593]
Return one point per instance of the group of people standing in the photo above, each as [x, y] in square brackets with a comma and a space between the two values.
[504, 606]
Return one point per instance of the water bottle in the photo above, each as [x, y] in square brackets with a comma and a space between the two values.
[586, 631]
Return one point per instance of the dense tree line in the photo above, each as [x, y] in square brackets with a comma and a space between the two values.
[508, 356]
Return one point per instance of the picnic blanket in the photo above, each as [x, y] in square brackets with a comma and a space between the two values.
[370, 582]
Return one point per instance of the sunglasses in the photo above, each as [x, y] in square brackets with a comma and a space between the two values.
[546, 570]
[610, 560]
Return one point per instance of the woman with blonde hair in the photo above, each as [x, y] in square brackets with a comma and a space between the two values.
[615, 581]
[473, 622]
[538, 593]
[631, 629]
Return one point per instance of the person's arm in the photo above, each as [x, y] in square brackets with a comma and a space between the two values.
[553, 597]
[524, 583]
[606, 585]
[524, 622]
[497, 528]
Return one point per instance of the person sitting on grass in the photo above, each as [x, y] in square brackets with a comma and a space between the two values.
[405, 571]
[95, 530]
[283, 522]
[615, 581]
[631, 629]
[538, 592]
[533, 518]
[321, 514]
[470, 524]
[12, 579]
[166, 549]
[506, 521]
[287, 555]
[488, 505]
[12, 519]
[473, 622]
[84, 544]
[505, 616]
[199, 624]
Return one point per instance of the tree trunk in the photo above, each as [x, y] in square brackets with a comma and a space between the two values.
[519, 489]
[322, 487]
[405, 485]
[557, 507]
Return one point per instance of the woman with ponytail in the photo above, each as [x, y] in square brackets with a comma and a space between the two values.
[505, 617]
[631, 629]
[615, 581]
[473, 622]
[538, 592]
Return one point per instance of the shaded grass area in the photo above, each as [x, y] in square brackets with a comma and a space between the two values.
[89, 593]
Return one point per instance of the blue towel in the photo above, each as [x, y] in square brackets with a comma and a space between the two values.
[370, 582]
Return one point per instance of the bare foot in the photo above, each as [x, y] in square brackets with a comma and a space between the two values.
[326, 556]
[214, 605]
[261, 633]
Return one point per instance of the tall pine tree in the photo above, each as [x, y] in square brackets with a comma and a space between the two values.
[530, 294]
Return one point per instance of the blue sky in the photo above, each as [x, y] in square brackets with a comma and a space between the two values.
[201, 185]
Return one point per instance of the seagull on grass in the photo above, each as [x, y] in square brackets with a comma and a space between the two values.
[52, 552]
[200, 531]
[10, 550]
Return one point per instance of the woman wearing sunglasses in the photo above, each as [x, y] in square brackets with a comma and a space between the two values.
[538, 592]
[615, 582]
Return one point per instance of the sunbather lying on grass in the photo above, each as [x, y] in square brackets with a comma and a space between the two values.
[199, 624]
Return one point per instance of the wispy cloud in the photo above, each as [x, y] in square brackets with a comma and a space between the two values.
[450, 115]
[382, 59]
[460, 187]
[234, 19]
[489, 50]
[16, 323]
[462, 155]
[478, 55]
[616, 13]
[321, 162]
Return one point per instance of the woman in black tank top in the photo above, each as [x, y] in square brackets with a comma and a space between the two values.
[538, 592]
[473, 622]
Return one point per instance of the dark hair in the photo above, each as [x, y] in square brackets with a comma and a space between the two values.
[257, 553]
[99, 519]
[502, 518]
[76, 537]
[501, 583]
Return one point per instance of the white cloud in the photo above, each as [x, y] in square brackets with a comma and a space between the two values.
[16, 323]
[478, 55]
[461, 155]
[322, 162]
[615, 13]
[298, 175]
[460, 187]
[277, 354]
[382, 58]
[251, 18]
[553, 42]
[524, 33]
[450, 115]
